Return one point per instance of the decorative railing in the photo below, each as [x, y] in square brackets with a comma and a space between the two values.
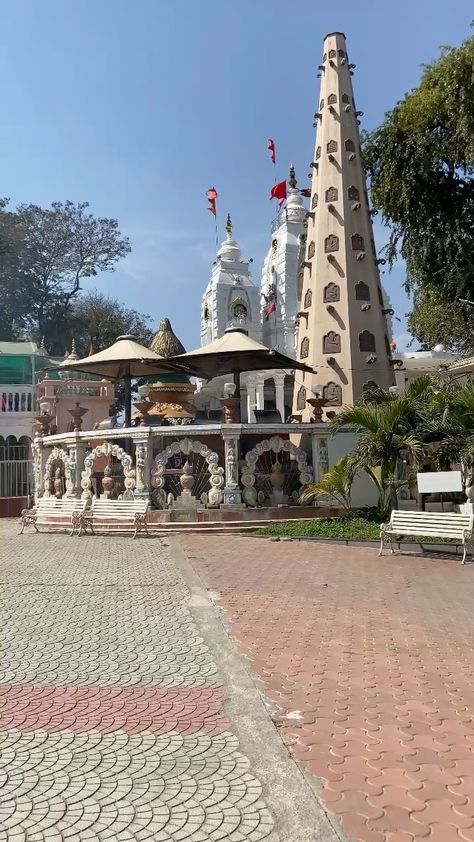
[17, 399]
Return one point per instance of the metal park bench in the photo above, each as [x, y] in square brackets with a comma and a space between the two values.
[50, 511]
[448, 525]
[115, 516]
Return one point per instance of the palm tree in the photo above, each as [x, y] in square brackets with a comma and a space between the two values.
[336, 484]
[391, 429]
[457, 443]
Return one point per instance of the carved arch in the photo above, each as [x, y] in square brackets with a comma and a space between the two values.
[276, 445]
[107, 449]
[57, 455]
[188, 446]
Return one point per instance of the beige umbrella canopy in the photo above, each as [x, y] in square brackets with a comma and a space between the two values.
[123, 360]
[234, 353]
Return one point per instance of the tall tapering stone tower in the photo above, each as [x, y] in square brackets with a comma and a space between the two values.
[342, 328]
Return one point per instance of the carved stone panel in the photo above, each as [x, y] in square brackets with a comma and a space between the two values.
[332, 54]
[357, 242]
[331, 147]
[366, 341]
[304, 350]
[370, 386]
[362, 291]
[331, 343]
[331, 293]
[301, 398]
[332, 99]
[314, 201]
[331, 194]
[332, 394]
[308, 299]
[311, 249]
[341, 53]
[331, 243]
[349, 145]
[345, 98]
[353, 193]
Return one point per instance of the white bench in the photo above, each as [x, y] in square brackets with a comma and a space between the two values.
[49, 511]
[115, 516]
[449, 525]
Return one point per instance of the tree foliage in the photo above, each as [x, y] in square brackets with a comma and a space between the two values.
[96, 320]
[435, 320]
[421, 165]
[47, 253]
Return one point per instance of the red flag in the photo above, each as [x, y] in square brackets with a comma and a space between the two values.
[271, 149]
[306, 191]
[212, 195]
[269, 310]
[278, 191]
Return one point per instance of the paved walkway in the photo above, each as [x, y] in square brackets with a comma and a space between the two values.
[369, 665]
[114, 719]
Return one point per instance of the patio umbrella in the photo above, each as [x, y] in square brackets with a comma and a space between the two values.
[233, 353]
[123, 360]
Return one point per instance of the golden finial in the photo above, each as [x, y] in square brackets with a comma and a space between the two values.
[228, 225]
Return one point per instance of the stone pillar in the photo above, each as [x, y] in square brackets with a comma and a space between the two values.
[232, 492]
[260, 394]
[77, 452]
[251, 400]
[319, 455]
[40, 456]
[279, 380]
[143, 466]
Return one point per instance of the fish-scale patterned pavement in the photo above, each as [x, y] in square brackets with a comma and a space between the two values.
[369, 665]
[111, 706]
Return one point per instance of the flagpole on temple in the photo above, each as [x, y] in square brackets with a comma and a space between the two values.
[212, 195]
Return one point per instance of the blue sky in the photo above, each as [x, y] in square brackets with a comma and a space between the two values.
[139, 107]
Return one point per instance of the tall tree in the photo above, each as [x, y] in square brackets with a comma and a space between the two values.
[59, 247]
[16, 281]
[96, 320]
[421, 165]
[435, 320]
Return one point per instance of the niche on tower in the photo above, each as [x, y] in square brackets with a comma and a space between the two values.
[331, 343]
[331, 293]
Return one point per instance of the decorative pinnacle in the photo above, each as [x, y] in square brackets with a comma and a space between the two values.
[292, 179]
[228, 225]
[73, 346]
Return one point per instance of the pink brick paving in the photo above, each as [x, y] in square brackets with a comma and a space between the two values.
[107, 709]
[370, 664]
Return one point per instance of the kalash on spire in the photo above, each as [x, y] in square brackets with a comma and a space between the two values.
[281, 274]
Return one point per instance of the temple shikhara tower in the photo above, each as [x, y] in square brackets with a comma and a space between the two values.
[282, 265]
[343, 332]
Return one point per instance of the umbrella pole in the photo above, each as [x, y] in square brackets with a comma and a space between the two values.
[128, 400]
[236, 375]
